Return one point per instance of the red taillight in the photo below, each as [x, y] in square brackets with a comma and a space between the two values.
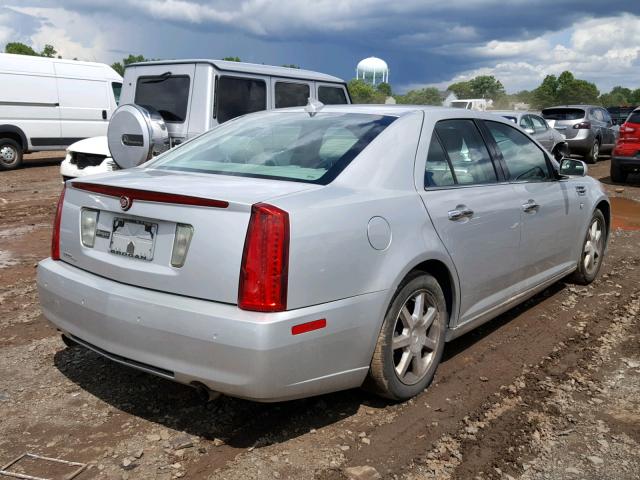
[55, 235]
[582, 125]
[265, 261]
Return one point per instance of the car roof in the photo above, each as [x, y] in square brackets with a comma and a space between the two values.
[394, 111]
[574, 106]
[255, 68]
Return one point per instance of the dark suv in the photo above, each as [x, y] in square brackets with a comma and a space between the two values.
[588, 129]
[626, 156]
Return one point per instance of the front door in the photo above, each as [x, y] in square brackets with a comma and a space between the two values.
[475, 215]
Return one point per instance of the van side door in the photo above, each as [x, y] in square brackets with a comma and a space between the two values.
[475, 214]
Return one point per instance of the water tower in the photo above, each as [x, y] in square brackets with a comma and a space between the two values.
[373, 70]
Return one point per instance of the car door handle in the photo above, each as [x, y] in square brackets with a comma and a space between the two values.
[581, 189]
[104, 114]
[530, 206]
[460, 212]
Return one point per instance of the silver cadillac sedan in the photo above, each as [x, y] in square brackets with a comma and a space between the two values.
[301, 251]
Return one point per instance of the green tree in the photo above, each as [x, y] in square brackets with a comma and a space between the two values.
[119, 66]
[618, 96]
[384, 88]
[545, 95]
[486, 86]
[363, 92]
[18, 48]
[635, 97]
[232, 59]
[48, 51]
[423, 96]
[461, 89]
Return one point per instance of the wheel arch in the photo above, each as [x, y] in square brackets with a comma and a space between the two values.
[605, 208]
[15, 133]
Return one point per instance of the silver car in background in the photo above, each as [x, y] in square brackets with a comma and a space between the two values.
[588, 129]
[539, 129]
[302, 251]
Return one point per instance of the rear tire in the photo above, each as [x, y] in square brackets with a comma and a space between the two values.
[592, 253]
[10, 154]
[618, 175]
[593, 154]
[411, 341]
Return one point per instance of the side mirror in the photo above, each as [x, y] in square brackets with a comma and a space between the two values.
[572, 167]
[530, 131]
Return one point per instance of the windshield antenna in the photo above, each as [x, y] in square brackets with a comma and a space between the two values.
[313, 106]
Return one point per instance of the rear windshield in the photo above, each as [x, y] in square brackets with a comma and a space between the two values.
[168, 94]
[287, 146]
[563, 113]
[634, 117]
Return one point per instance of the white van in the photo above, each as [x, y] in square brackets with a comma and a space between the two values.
[49, 103]
[179, 99]
[479, 104]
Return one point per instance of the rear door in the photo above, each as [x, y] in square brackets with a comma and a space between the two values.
[549, 209]
[476, 215]
[165, 88]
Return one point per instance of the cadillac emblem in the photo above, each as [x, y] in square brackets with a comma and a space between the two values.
[125, 203]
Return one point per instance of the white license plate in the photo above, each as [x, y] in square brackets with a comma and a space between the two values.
[133, 238]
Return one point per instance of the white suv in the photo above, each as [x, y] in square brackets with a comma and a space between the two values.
[164, 103]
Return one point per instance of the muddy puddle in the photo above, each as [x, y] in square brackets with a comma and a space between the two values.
[626, 213]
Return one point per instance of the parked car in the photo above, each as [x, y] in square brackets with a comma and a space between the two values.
[625, 158]
[49, 103]
[588, 129]
[537, 127]
[165, 103]
[296, 252]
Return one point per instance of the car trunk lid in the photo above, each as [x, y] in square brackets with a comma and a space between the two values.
[137, 220]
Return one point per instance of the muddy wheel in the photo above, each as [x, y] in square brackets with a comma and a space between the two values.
[411, 341]
[10, 154]
[592, 251]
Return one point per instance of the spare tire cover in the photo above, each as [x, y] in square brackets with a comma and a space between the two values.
[136, 134]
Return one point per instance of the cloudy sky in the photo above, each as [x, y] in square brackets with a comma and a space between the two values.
[425, 42]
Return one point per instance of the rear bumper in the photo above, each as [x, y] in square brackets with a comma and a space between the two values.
[245, 354]
[581, 144]
[630, 163]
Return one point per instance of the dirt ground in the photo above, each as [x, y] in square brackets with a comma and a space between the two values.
[550, 390]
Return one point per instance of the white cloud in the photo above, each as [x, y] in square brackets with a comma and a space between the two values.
[605, 51]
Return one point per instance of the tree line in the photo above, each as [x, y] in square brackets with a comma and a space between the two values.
[564, 89]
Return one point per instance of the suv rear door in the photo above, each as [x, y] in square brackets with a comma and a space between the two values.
[564, 118]
[165, 88]
[476, 215]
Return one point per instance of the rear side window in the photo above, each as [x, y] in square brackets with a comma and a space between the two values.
[332, 95]
[466, 151]
[563, 113]
[168, 94]
[524, 160]
[525, 122]
[438, 171]
[634, 117]
[291, 94]
[239, 96]
[539, 125]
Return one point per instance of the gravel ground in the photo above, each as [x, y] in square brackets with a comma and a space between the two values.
[549, 390]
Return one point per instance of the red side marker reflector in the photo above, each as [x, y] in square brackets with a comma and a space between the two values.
[148, 196]
[309, 326]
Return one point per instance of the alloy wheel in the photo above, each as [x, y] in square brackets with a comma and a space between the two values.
[415, 338]
[593, 247]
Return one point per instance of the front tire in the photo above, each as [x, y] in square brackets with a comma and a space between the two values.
[411, 341]
[10, 154]
[592, 252]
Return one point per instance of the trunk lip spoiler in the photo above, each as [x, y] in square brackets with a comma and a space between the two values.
[127, 196]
